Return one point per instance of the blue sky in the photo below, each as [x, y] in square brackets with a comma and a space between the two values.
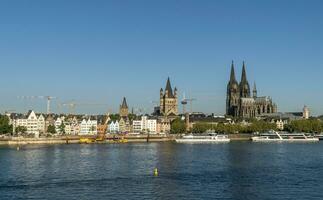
[99, 51]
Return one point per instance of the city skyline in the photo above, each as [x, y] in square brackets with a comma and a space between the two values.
[103, 52]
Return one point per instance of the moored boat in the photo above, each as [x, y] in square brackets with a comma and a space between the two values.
[210, 138]
[274, 136]
[319, 136]
[87, 140]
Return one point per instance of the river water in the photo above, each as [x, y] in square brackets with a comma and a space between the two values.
[238, 170]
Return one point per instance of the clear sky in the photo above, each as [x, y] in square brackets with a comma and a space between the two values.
[99, 51]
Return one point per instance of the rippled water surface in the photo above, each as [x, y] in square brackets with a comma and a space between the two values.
[241, 170]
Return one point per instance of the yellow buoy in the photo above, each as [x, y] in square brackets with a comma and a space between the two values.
[156, 172]
[18, 148]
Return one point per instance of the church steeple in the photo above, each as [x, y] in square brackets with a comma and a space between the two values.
[244, 74]
[244, 85]
[124, 103]
[233, 94]
[168, 100]
[233, 84]
[254, 90]
[168, 89]
[232, 75]
[124, 109]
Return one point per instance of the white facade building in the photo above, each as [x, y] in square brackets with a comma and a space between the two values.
[88, 127]
[145, 125]
[58, 123]
[114, 127]
[152, 126]
[34, 125]
[280, 124]
[72, 127]
[136, 126]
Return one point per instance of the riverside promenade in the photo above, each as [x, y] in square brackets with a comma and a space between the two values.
[76, 139]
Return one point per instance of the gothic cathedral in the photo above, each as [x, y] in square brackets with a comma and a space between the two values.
[240, 103]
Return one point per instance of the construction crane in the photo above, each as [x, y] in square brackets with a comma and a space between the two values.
[9, 111]
[72, 105]
[48, 98]
[156, 106]
[138, 111]
[185, 101]
[156, 103]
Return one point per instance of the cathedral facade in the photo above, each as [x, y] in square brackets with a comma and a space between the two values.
[240, 102]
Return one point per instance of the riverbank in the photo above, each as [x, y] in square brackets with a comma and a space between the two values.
[76, 139]
[129, 138]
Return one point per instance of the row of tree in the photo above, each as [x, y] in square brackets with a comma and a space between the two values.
[256, 126]
[306, 126]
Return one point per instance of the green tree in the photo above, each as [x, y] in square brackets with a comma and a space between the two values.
[4, 125]
[201, 127]
[307, 126]
[132, 116]
[115, 117]
[177, 126]
[255, 126]
[61, 128]
[21, 129]
[51, 129]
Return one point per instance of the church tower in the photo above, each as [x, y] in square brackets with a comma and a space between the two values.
[244, 84]
[124, 110]
[306, 112]
[254, 92]
[168, 100]
[233, 94]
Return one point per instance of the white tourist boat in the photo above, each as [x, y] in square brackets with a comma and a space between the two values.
[319, 136]
[210, 138]
[274, 136]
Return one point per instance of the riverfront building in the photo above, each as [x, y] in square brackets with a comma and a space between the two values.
[145, 125]
[240, 102]
[114, 127]
[88, 127]
[34, 124]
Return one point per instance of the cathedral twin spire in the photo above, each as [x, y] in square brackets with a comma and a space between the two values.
[244, 74]
[238, 102]
[244, 84]
[232, 75]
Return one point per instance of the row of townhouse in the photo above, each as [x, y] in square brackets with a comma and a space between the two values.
[34, 124]
[38, 124]
[144, 125]
[74, 127]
